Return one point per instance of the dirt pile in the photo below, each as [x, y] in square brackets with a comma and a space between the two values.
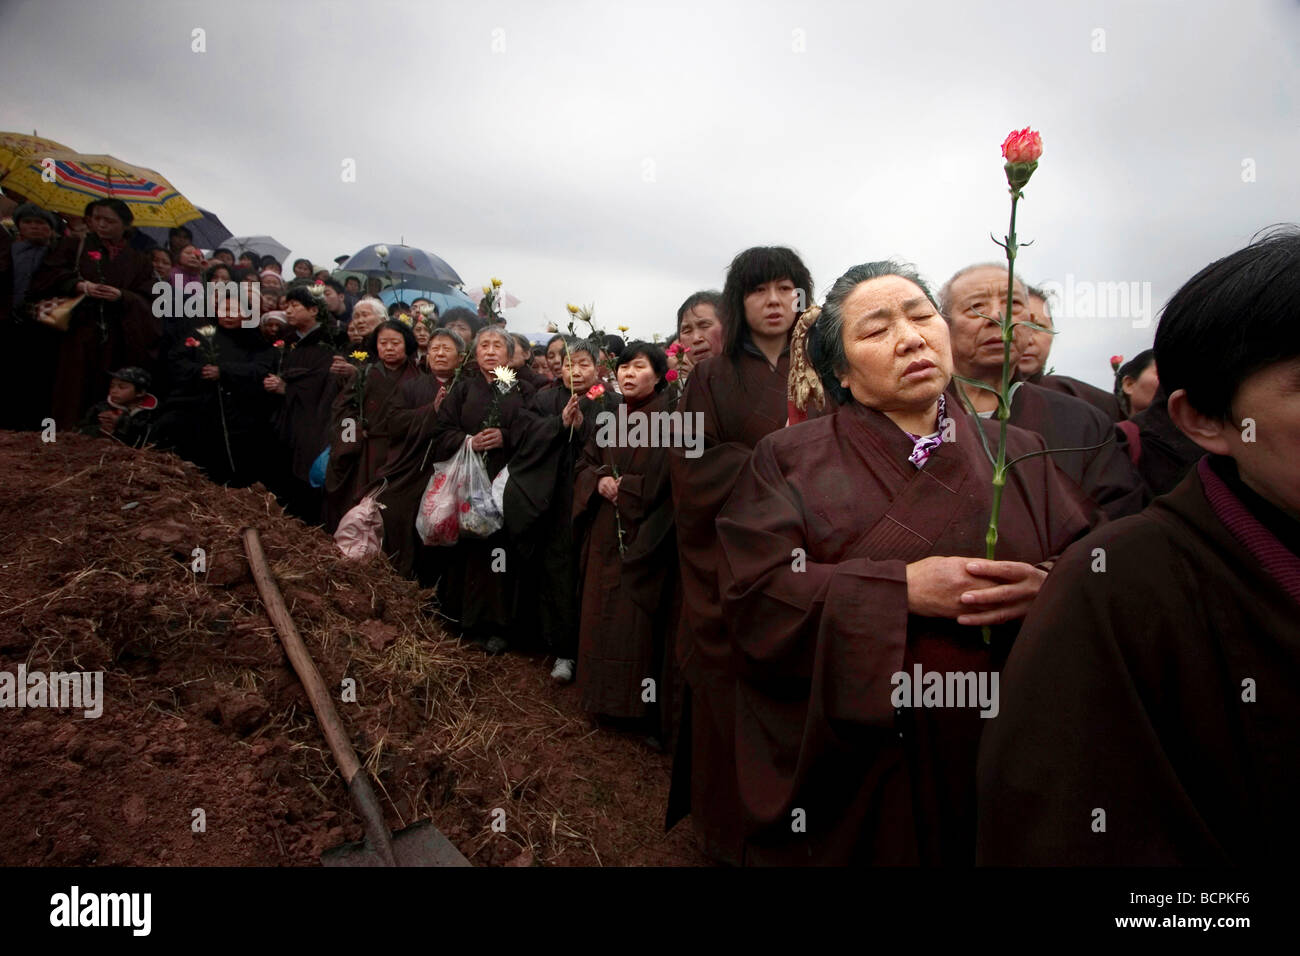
[207, 752]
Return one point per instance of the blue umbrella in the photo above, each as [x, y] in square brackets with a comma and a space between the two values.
[208, 232]
[407, 261]
[442, 295]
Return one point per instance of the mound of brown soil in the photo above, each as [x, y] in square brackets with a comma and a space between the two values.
[207, 752]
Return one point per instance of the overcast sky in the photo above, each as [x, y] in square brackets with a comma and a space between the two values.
[621, 153]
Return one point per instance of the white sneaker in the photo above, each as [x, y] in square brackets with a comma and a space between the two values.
[563, 670]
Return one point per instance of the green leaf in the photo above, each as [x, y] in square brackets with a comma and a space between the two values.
[1034, 325]
[1011, 392]
[984, 385]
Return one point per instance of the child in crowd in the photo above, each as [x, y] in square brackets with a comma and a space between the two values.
[127, 414]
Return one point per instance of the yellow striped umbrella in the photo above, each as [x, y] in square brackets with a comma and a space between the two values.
[64, 182]
[16, 148]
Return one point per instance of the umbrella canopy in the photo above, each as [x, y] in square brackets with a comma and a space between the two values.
[402, 261]
[79, 178]
[17, 148]
[258, 245]
[208, 232]
[442, 295]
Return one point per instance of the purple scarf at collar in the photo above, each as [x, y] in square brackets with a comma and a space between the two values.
[1281, 564]
[922, 445]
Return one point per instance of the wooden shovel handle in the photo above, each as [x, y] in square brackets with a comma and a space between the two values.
[340, 745]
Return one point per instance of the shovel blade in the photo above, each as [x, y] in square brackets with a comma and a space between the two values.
[420, 844]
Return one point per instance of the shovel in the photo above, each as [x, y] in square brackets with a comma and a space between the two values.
[421, 843]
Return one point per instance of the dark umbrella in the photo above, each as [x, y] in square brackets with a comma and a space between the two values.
[404, 261]
[208, 232]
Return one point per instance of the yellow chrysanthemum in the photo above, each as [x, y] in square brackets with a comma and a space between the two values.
[360, 356]
[496, 283]
[573, 309]
[487, 290]
[622, 328]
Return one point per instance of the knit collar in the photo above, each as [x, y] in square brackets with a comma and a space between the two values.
[1280, 563]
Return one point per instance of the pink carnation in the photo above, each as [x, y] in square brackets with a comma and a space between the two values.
[1022, 146]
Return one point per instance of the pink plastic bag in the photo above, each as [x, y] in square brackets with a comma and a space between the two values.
[361, 532]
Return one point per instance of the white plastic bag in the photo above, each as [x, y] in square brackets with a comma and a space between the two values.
[361, 532]
[458, 500]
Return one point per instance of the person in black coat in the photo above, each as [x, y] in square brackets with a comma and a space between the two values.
[307, 383]
[219, 415]
[479, 588]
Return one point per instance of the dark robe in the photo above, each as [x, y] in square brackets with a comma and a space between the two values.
[189, 421]
[305, 417]
[626, 592]
[1106, 474]
[818, 644]
[1164, 692]
[539, 515]
[411, 423]
[474, 594]
[1164, 454]
[355, 464]
[32, 379]
[102, 336]
[1100, 399]
[740, 400]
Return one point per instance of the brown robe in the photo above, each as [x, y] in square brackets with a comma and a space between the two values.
[90, 350]
[1106, 474]
[1105, 402]
[740, 401]
[411, 423]
[354, 465]
[627, 594]
[1128, 693]
[818, 739]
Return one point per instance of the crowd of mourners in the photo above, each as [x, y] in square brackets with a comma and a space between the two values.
[751, 605]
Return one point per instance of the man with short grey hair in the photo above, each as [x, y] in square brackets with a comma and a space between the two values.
[972, 302]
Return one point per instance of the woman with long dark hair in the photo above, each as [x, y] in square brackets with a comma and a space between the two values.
[114, 325]
[739, 396]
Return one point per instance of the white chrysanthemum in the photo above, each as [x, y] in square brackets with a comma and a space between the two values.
[381, 251]
[505, 377]
[207, 331]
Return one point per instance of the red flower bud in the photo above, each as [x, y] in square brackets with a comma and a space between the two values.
[95, 255]
[279, 343]
[1116, 361]
[1022, 146]
[671, 375]
[192, 342]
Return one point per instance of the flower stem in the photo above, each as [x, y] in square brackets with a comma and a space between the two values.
[1004, 399]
